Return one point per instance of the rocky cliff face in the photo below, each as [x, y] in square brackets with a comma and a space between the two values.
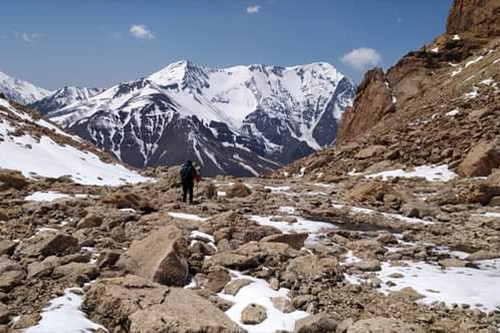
[480, 17]
[373, 100]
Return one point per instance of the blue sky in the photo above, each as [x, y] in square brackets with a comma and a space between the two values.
[99, 43]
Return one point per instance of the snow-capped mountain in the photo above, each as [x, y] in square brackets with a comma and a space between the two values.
[64, 97]
[37, 147]
[243, 120]
[19, 90]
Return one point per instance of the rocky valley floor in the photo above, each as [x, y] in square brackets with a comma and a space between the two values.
[261, 255]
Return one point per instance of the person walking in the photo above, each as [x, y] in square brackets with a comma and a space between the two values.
[188, 176]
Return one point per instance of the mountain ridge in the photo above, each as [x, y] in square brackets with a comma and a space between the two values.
[252, 113]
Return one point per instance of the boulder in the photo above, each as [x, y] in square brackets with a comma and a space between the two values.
[108, 258]
[38, 270]
[309, 268]
[238, 190]
[76, 269]
[283, 304]
[477, 191]
[368, 265]
[115, 304]
[11, 279]
[451, 262]
[253, 314]
[160, 257]
[7, 264]
[47, 244]
[124, 199]
[90, 221]
[7, 247]
[480, 161]
[215, 280]
[319, 323]
[11, 179]
[231, 260]
[295, 240]
[234, 286]
[483, 255]
[261, 250]
[382, 325]
[367, 248]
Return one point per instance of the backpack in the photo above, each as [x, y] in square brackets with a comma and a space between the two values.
[187, 172]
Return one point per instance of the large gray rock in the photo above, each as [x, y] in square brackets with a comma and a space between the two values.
[135, 305]
[160, 257]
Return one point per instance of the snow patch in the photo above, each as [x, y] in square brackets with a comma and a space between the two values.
[431, 173]
[259, 292]
[45, 196]
[451, 285]
[64, 315]
[185, 216]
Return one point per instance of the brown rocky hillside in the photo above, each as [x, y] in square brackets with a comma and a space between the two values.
[438, 105]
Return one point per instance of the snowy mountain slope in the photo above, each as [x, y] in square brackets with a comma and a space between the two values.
[20, 91]
[240, 120]
[37, 147]
[64, 97]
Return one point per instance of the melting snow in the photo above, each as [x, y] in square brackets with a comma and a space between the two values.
[475, 287]
[259, 292]
[63, 315]
[199, 234]
[278, 189]
[302, 224]
[45, 196]
[429, 172]
[456, 37]
[186, 216]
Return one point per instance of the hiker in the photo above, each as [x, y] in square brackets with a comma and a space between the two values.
[188, 176]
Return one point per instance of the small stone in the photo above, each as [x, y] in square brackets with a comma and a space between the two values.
[283, 304]
[253, 314]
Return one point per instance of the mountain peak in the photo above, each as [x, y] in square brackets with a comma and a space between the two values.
[19, 90]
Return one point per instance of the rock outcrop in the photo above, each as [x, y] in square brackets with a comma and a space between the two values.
[373, 101]
[115, 303]
[480, 17]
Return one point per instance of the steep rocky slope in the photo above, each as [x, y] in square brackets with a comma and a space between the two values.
[243, 120]
[436, 106]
